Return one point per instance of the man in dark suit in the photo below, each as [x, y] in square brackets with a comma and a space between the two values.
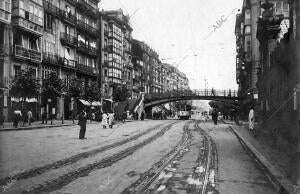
[82, 123]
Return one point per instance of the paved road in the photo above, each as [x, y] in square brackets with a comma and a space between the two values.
[172, 154]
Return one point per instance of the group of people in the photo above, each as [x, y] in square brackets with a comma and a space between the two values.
[22, 116]
[107, 120]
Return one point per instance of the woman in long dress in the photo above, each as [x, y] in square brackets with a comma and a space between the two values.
[251, 119]
[110, 119]
[104, 120]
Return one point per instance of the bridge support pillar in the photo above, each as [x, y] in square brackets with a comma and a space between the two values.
[148, 112]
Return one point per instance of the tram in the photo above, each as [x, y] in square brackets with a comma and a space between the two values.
[184, 112]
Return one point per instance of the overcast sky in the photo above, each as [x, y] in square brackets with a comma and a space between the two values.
[182, 31]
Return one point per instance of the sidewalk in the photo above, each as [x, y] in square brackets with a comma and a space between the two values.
[8, 126]
[274, 160]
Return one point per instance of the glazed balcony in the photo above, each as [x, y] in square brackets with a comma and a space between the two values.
[27, 54]
[81, 25]
[86, 69]
[70, 64]
[28, 26]
[67, 39]
[48, 7]
[50, 59]
[86, 49]
[69, 18]
[86, 8]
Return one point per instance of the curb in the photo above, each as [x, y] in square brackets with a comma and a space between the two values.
[35, 127]
[283, 185]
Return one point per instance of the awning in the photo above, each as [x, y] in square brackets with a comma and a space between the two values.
[14, 99]
[84, 102]
[108, 100]
[95, 103]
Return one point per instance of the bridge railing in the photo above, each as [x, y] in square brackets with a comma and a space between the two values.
[181, 93]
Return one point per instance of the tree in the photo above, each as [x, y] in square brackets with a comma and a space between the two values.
[120, 93]
[75, 88]
[92, 92]
[53, 86]
[24, 85]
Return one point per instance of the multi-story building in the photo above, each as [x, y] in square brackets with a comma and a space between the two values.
[138, 66]
[5, 71]
[248, 56]
[48, 36]
[279, 76]
[116, 57]
[70, 45]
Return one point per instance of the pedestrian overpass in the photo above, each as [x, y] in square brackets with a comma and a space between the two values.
[155, 99]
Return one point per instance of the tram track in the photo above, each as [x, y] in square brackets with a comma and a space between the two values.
[70, 160]
[143, 184]
[149, 181]
[67, 178]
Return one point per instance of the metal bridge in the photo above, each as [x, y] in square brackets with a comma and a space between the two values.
[154, 99]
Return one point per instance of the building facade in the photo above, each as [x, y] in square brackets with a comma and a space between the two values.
[5, 71]
[116, 58]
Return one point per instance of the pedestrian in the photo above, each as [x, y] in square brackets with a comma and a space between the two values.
[16, 118]
[104, 120]
[124, 116]
[93, 117]
[142, 116]
[82, 123]
[251, 119]
[44, 117]
[29, 117]
[24, 117]
[2, 119]
[110, 119]
[215, 116]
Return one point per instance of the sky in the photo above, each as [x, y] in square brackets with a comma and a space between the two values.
[187, 34]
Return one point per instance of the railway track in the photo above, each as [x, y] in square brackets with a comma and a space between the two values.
[149, 181]
[65, 179]
[70, 160]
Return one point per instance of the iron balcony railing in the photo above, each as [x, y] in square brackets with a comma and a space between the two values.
[25, 53]
[68, 39]
[28, 25]
[68, 17]
[67, 63]
[82, 47]
[81, 25]
[86, 69]
[50, 58]
[50, 8]
[87, 8]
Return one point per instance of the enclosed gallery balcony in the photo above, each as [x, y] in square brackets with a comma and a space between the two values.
[21, 52]
[67, 39]
[27, 25]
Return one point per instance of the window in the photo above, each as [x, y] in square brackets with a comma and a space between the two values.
[17, 70]
[67, 53]
[67, 29]
[48, 23]
[49, 47]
